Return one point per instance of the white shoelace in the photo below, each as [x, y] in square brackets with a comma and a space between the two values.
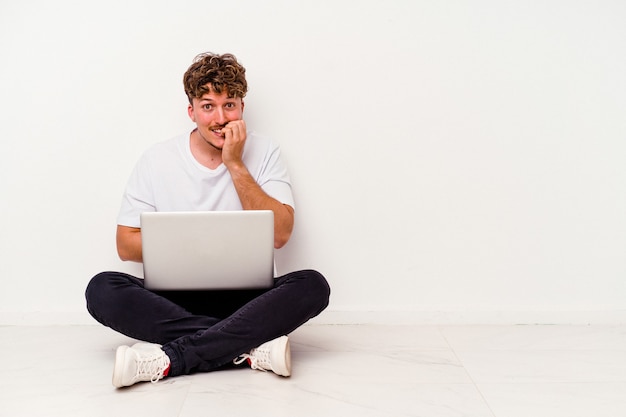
[152, 366]
[259, 359]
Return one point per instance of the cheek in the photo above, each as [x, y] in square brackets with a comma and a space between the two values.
[201, 118]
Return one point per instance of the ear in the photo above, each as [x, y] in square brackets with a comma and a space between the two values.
[191, 113]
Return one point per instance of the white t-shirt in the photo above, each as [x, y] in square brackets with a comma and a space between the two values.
[168, 178]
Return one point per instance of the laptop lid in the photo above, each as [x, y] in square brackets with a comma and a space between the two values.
[208, 250]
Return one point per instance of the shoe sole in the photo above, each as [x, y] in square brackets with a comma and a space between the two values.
[118, 368]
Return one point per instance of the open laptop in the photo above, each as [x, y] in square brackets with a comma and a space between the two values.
[208, 250]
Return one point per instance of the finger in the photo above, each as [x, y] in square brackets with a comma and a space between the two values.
[237, 130]
[237, 125]
[224, 135]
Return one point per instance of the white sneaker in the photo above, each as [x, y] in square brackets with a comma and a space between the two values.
[274, 356]
[141, 362]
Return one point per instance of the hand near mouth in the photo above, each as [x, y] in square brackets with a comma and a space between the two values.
[235, 135]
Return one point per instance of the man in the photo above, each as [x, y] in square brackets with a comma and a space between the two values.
[218, 166]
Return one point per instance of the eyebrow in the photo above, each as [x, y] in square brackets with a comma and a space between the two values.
[211, 100]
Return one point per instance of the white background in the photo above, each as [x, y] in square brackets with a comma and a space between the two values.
[452, 160]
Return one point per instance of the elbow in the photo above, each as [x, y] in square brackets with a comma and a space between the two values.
[281, 239]
[126, 253]
[279, 242]
[123, 254]
[282, 233]
[128, 256]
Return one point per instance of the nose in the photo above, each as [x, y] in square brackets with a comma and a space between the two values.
[220, 116]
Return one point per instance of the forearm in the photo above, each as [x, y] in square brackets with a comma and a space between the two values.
[128, 240]
[253, 197]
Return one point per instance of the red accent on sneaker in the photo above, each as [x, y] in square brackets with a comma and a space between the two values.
[166, 371]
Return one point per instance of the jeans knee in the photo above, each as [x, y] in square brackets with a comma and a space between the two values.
[318, 288]
[100, 290]
[95, 292]
[98, 285]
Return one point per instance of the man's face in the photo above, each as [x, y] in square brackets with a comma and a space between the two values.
[212, 112]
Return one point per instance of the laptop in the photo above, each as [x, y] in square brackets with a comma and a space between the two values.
[208, 250]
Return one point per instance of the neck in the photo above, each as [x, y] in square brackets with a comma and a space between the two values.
[205, 152]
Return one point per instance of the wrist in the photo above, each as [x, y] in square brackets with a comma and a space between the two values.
[236, 167]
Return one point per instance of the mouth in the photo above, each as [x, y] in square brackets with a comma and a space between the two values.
[218, 131]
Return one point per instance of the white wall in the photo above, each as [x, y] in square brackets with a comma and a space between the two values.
[456, 160]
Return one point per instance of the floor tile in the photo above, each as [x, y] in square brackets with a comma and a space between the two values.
[97, 400]
[543, 337]
[388, 368]
[556, 399]
[368, 338]
[538, 366]
[365, 370]
[309, 394]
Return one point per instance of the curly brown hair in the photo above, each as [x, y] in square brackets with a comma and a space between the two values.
[221, 73]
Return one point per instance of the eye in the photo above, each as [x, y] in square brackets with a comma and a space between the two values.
[207, 106]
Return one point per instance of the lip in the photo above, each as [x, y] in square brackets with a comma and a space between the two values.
[218, 132]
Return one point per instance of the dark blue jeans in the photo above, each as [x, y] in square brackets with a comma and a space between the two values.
[204, 330]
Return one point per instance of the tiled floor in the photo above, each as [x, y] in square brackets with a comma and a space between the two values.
[365, 371]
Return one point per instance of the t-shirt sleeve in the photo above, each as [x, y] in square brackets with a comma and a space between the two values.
[274, 178]
[138, 196]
